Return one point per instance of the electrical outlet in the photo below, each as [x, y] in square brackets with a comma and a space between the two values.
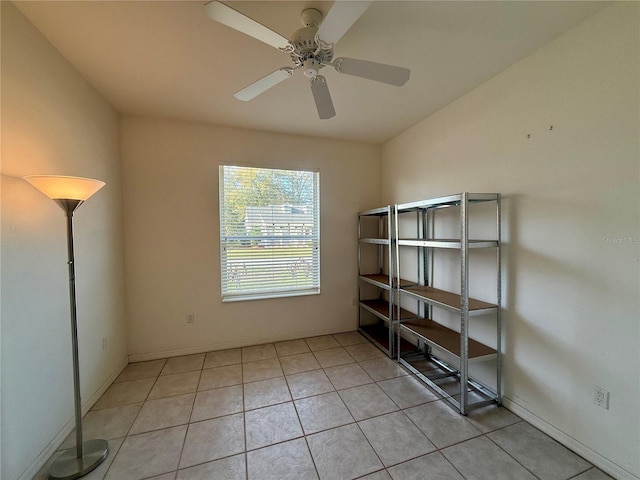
[191, 317]
[601, 397]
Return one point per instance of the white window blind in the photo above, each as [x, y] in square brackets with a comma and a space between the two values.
[269, 232]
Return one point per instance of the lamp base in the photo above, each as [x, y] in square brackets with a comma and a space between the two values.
[67, 466]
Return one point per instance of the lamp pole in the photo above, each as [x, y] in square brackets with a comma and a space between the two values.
[69, 193]
[69, 207]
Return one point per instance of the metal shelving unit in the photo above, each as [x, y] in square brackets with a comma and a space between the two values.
[375, 277]
[441, 355]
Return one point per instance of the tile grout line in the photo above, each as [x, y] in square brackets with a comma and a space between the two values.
[186, 433]
[323, 369]
[520, 463]
[304, 435]
[124, 439]
[439, 450]
[511, 456]
[244, 419]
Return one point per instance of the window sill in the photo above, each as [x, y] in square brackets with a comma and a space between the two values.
[271, 295]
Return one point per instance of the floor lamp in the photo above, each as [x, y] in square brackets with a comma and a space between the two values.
[69, 193]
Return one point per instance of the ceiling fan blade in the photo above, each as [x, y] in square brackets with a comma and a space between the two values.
[379, 72]
[264, 84]
[238, 21]
[341, 16]
[322, 97]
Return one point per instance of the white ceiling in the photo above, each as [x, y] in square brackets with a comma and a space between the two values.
[168, 59]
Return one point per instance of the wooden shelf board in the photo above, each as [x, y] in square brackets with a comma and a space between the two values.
[446, 338]
[382, 280]
[379, 279]
[448, 299]
[382, 307]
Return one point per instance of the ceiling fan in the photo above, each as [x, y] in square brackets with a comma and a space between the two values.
[310, 48]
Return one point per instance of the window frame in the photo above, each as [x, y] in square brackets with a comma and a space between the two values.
[305, 233]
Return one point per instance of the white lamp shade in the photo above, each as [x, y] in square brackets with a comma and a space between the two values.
[65, 188]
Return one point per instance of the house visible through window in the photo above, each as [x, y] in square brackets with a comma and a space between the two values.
[269, 232]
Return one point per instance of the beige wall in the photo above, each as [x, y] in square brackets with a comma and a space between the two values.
[571, 232]
[571, 224]
[172, 235]
[53, 122]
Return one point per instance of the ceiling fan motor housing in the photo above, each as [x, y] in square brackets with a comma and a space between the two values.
[306, 53]
[304, 40]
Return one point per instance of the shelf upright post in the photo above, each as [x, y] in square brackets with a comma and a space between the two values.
[424, 253]
[359, 248]
[378, 238]
[380, 249]
[499, 301]
[395, 287]
[428, 233]
[389, 234]
[359, 269]
[464, 299]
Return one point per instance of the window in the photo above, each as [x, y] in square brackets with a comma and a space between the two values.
[269, 232]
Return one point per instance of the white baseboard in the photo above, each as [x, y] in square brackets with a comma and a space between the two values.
[143, 357]
[55, 443]
[604, 464]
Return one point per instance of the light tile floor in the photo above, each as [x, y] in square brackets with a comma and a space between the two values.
[329, 407]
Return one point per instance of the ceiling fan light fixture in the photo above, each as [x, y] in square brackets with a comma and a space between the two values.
[311, 67]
